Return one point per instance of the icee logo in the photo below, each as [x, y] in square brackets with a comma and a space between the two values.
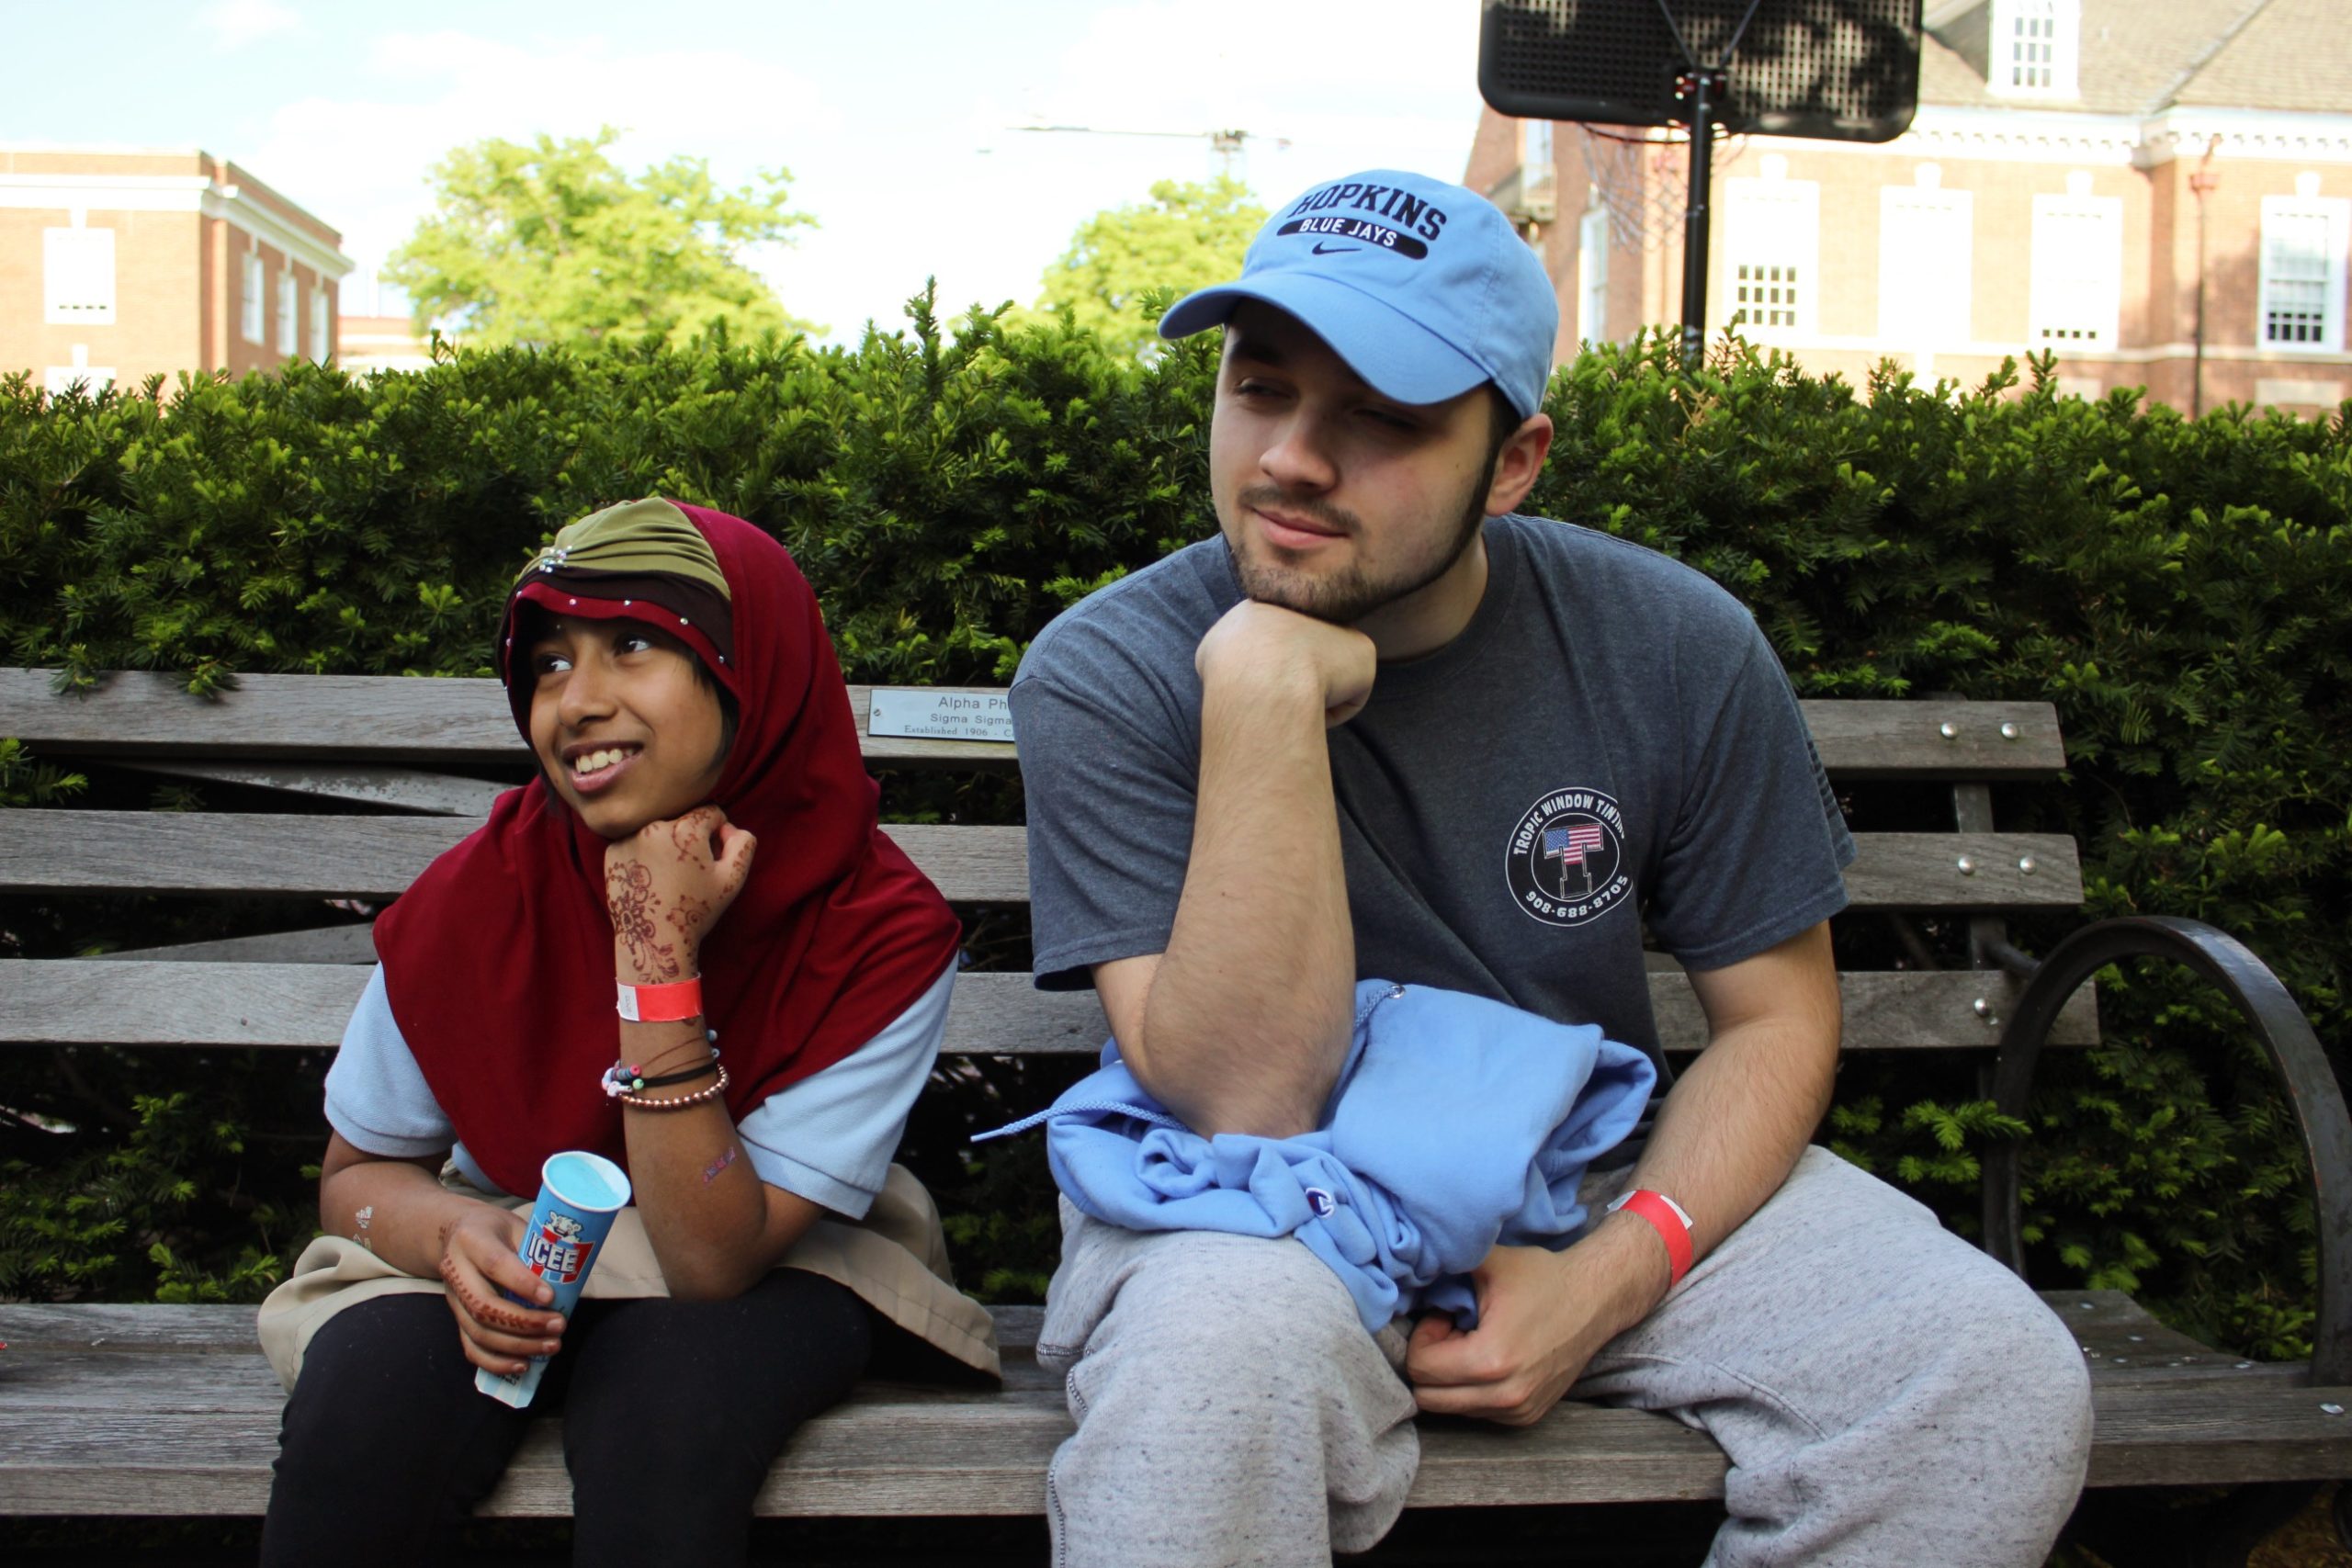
[555, 1251]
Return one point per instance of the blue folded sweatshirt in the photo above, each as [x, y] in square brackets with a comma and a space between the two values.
[1457, 1124]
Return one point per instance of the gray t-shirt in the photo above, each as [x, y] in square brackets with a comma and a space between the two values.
[1609, 744]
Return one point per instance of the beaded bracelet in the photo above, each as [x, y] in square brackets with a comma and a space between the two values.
[681, 1101]
[627, 1078]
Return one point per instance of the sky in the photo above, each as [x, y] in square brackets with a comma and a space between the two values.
[895, 119]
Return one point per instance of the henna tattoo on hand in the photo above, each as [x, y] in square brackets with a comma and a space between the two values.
[683, 833]
[490, 1314]
[691, 914]
[630, 898]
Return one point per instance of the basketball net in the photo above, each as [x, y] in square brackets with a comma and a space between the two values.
[1641, 177]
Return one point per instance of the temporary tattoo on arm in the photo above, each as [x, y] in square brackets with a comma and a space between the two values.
[711, 1172]
[365, 1216]
[628, 895]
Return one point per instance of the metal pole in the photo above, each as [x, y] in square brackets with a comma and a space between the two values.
[1700, 88]
[2201, 184]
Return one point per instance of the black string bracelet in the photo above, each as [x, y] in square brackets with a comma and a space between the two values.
[624, 1077]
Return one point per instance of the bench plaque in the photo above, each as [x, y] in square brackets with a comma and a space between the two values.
[940, 716]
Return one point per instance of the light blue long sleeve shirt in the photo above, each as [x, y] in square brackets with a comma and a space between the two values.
[1457, 1124]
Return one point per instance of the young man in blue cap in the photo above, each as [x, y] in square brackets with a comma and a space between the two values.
[1384, 727]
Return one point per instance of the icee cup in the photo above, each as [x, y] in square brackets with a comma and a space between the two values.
[579, 1195]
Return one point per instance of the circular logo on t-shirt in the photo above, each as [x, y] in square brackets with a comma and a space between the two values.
[1565, 862]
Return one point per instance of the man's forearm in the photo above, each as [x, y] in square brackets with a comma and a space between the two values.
[1734, 1125]
[1247, 1020]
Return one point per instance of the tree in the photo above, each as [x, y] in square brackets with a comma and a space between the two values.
[555, 243]
[1187, 236]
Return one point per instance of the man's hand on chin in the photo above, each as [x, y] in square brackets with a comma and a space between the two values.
[1260, 642]
[1541, 1316]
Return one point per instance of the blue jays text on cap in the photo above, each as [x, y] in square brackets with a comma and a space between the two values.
[1423, 288]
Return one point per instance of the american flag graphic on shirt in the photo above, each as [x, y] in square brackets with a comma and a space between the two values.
[1570, 845]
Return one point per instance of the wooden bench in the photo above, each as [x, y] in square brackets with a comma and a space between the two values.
[159, 1410]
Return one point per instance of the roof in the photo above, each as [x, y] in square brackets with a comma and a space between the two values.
[2292, 54]
[2140, 59]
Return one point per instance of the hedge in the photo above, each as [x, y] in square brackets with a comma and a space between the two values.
[2173, 586]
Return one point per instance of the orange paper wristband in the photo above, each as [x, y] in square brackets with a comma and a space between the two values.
[1672, 1224]
[659, 1004]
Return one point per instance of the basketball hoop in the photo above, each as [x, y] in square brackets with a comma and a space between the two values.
[1640, 177]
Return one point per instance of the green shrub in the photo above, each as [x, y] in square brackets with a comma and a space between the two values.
[2172, 585]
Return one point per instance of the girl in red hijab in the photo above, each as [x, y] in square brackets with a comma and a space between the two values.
[702, 841]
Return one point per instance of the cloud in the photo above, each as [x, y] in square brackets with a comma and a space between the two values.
[361, 158]
[912, 174]
[1378, 78]
[239, 23]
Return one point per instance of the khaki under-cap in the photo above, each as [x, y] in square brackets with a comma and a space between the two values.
[635, 539]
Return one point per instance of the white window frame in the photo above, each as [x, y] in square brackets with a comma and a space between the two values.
[2075, 303]
[1592, 275]
[1772, 257]
[2284, 300]
[289, 313]
[321, 324]
[77, 276]
[2036, 48]
[1925, 237]
[250, 323]
[1535, 146]
[59, 380]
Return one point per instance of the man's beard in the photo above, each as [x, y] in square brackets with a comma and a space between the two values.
[1348, 596]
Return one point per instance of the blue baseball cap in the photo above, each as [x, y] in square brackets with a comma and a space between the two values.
[1423, 288]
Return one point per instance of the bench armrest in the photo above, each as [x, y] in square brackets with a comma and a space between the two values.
[2312, 1092]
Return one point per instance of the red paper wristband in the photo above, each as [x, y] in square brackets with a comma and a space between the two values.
[659, 1004]
[1672, 1224]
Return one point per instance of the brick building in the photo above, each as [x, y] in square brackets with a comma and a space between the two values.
[118, 264]
[2161, 194]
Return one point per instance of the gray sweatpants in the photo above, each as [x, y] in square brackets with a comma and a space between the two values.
[1886, 1393]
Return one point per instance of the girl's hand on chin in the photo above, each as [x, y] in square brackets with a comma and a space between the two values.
[666, 886]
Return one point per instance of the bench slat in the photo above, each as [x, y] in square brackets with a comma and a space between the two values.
[988, 1455]
[355, 784]
[350, 943]
[342, 717]
[378, 857]
[141, 1002]
[169, 1429]
[360, 857]
[404, 722]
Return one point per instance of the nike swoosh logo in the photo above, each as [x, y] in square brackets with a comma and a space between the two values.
[1323, 250]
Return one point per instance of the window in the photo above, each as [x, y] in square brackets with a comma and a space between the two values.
[59, 380]
[286, 315]
[251, 324]
[1592, 276]
[77, 276]
[1923, 266]
[321, 341]
[2035, 45]
[2304, 244]
[1535, 145]
[2077, 289]
[1773, 254]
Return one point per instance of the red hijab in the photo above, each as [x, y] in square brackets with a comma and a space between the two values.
[498, 962]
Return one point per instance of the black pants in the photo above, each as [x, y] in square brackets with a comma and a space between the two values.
[673, 1413]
